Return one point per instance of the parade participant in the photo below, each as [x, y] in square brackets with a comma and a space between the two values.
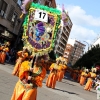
[61, 71]
[52, 78]
[75, 72]
[0, 52]
[4, 50]
[83, 77]
[26, 87]
[79, 75]
[22, 55]
[92, 76]
[71, 72]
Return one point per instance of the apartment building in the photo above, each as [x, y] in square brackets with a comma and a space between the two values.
[74, 50]
[63, 35]
[68, 52]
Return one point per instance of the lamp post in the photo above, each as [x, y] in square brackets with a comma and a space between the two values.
[87, 43]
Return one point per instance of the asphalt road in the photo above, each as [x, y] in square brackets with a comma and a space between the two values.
[65, 90]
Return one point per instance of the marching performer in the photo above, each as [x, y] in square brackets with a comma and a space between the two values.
[39, 36]
[83, 77]
[26, 87]
[79, 75]
[22, 55]
[61, 70]
[4, 50]
[52, 78]
[92, 75]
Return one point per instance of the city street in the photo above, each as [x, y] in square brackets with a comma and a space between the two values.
[65, 90]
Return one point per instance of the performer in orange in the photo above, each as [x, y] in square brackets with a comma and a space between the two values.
[74, 75]
[5, 49]
[26, 87]
[61, 71]
[71, 72]
[83, 77]
[92, 75]
[79, 75]
[52, 78]
[22, 55]
[0, 52]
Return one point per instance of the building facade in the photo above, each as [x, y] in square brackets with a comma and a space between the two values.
[62, 37]
[10, 22]
[49, 3]
[68, 52]
[74, 50]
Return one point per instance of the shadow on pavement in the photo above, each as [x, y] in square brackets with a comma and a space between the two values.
[66, 91]
[68, 83]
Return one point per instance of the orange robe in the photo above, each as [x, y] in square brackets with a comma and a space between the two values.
[19, 61]
[61, 72]
[74, 75]
[90, 81]
[83, 78]
[79, 76]
[52, 78]
[0, 52]
[3, 54]
[28, 91]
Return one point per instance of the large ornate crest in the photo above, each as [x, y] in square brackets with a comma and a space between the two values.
[40, 28]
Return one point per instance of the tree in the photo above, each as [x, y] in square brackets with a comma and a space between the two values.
[52, 55]
[90, 58]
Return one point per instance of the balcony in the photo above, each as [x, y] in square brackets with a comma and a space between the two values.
[65, 34]
[60, 52]
[60, 47]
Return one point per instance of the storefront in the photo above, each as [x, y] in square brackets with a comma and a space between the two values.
[7, 36]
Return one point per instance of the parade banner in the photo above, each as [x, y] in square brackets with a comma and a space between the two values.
[40, 28]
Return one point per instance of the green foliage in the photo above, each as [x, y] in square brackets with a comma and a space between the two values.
[52, 55]
[89, 58]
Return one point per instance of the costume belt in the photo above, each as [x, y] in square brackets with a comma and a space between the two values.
[27, 86]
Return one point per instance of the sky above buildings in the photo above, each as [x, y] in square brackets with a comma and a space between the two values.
[85, 16]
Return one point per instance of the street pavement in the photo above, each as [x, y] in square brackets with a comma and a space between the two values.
[65, 90]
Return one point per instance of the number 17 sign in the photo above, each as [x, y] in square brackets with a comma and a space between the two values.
[41, 15]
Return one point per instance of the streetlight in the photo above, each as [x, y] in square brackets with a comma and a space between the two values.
[87, 43]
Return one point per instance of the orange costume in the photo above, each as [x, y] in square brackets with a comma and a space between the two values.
[1, 48]
[24, 90]
[21, 57]
[90, 81]
[61, 72]
[3, 54]
[83, 78]
[52, 78]
[74, 75]
[79, 75]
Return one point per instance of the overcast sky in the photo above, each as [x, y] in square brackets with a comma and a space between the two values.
[85, 16]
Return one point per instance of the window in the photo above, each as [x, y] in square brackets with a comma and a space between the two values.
[14, 18]
[15, 1]
[11, 12]
[3, 6]
[48, 3]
